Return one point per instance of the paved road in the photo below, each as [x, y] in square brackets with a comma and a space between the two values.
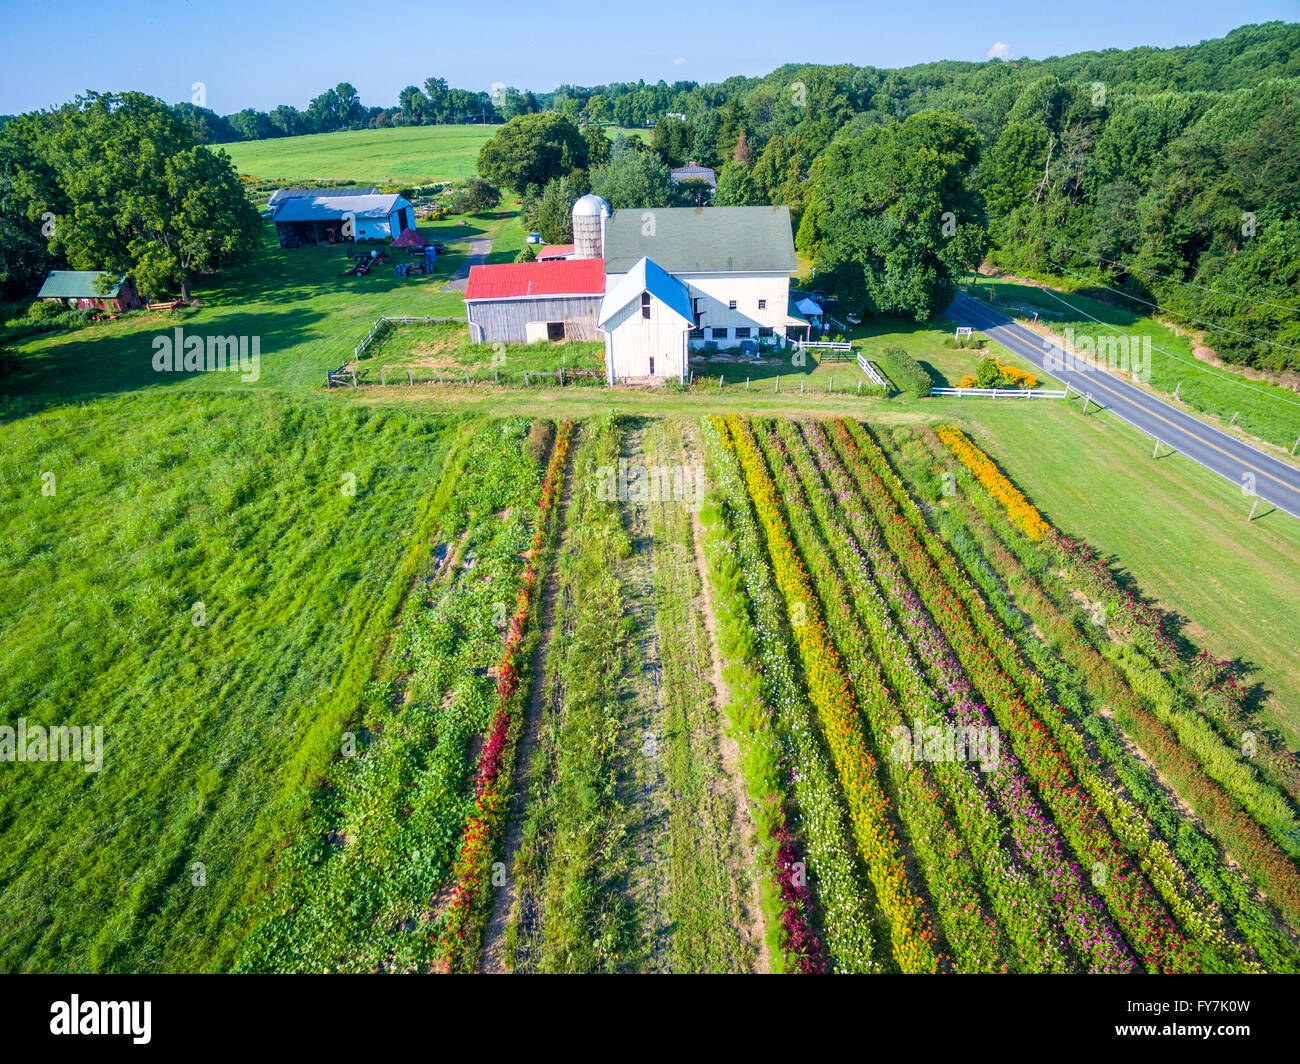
[1275, 481]
[478, 252]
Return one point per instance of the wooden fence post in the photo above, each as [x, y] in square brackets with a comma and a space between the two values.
[328, 382]
[439, 374]
[1295, 445]
[747, 389]
[496, 375]
[801, 386]
[1251, 517]
[1086, 400]
[1156, 448]
[382, 378]
[525, 378]
[1179, 385]
[1234, 418]
[410, 377]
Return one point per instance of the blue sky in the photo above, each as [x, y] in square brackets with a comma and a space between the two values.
[259, 53]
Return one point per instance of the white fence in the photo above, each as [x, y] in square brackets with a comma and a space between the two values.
[1001, 393]
[874, 374]
[823, 345]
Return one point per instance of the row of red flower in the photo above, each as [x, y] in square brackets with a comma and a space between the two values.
[492, 779]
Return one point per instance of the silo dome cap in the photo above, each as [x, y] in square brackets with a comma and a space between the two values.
[591, 205]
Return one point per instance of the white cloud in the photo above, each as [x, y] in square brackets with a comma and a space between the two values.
[1000, 50]
[678, 62]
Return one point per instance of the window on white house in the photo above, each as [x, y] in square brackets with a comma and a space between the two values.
[645, 305]
[719, 334]
[764, 332]
[731, 305]
[762, 304]
[652, 365]
[697, 334]
[742, 333]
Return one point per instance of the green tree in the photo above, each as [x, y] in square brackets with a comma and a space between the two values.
[635, 179]
[893, 215]
[531, 150]
[143, 198]
[737, 187]
[598, 145]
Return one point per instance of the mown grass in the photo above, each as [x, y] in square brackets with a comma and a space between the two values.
[405, 155]
[218, 719]
[1267, 411]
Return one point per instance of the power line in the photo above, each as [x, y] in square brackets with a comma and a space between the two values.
[1175, 280]
[1168, 354]
[1168, 310]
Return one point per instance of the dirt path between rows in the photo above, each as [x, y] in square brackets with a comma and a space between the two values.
[751, 932]
[492, 960]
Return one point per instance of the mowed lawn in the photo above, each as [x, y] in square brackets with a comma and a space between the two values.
[407, 155]
[307, 315]
[1179, 530]
[211, 580]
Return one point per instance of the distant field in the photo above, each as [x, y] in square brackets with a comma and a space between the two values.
[405, 155]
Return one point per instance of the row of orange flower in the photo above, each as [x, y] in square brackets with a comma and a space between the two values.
[1018, 508]
[492, 779]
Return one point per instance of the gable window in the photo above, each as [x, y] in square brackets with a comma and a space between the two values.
[762, 304]
[645, 304]
[731, 305]
[719, 334]
[742, 333]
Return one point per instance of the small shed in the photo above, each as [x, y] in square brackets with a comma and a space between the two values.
[81, 289]
[520, 302]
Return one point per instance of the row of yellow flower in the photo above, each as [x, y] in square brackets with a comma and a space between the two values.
[1018, 508]
[828, 689]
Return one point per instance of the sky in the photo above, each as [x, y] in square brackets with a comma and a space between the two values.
[260, 53]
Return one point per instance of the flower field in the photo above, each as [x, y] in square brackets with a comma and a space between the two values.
[852, 615]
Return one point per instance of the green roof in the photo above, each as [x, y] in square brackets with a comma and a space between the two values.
[701, 239]
[77, 284]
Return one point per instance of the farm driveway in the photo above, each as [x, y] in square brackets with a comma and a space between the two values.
[478, 253]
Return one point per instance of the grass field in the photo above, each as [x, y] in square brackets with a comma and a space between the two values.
[307, 315]
[208, 580]
[405, 155]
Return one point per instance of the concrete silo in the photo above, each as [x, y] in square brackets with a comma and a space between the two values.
[589, 215]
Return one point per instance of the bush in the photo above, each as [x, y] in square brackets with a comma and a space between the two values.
[44, 310]
[907, 374]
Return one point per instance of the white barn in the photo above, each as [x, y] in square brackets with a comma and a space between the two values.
[656, 283]
[646, 317]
